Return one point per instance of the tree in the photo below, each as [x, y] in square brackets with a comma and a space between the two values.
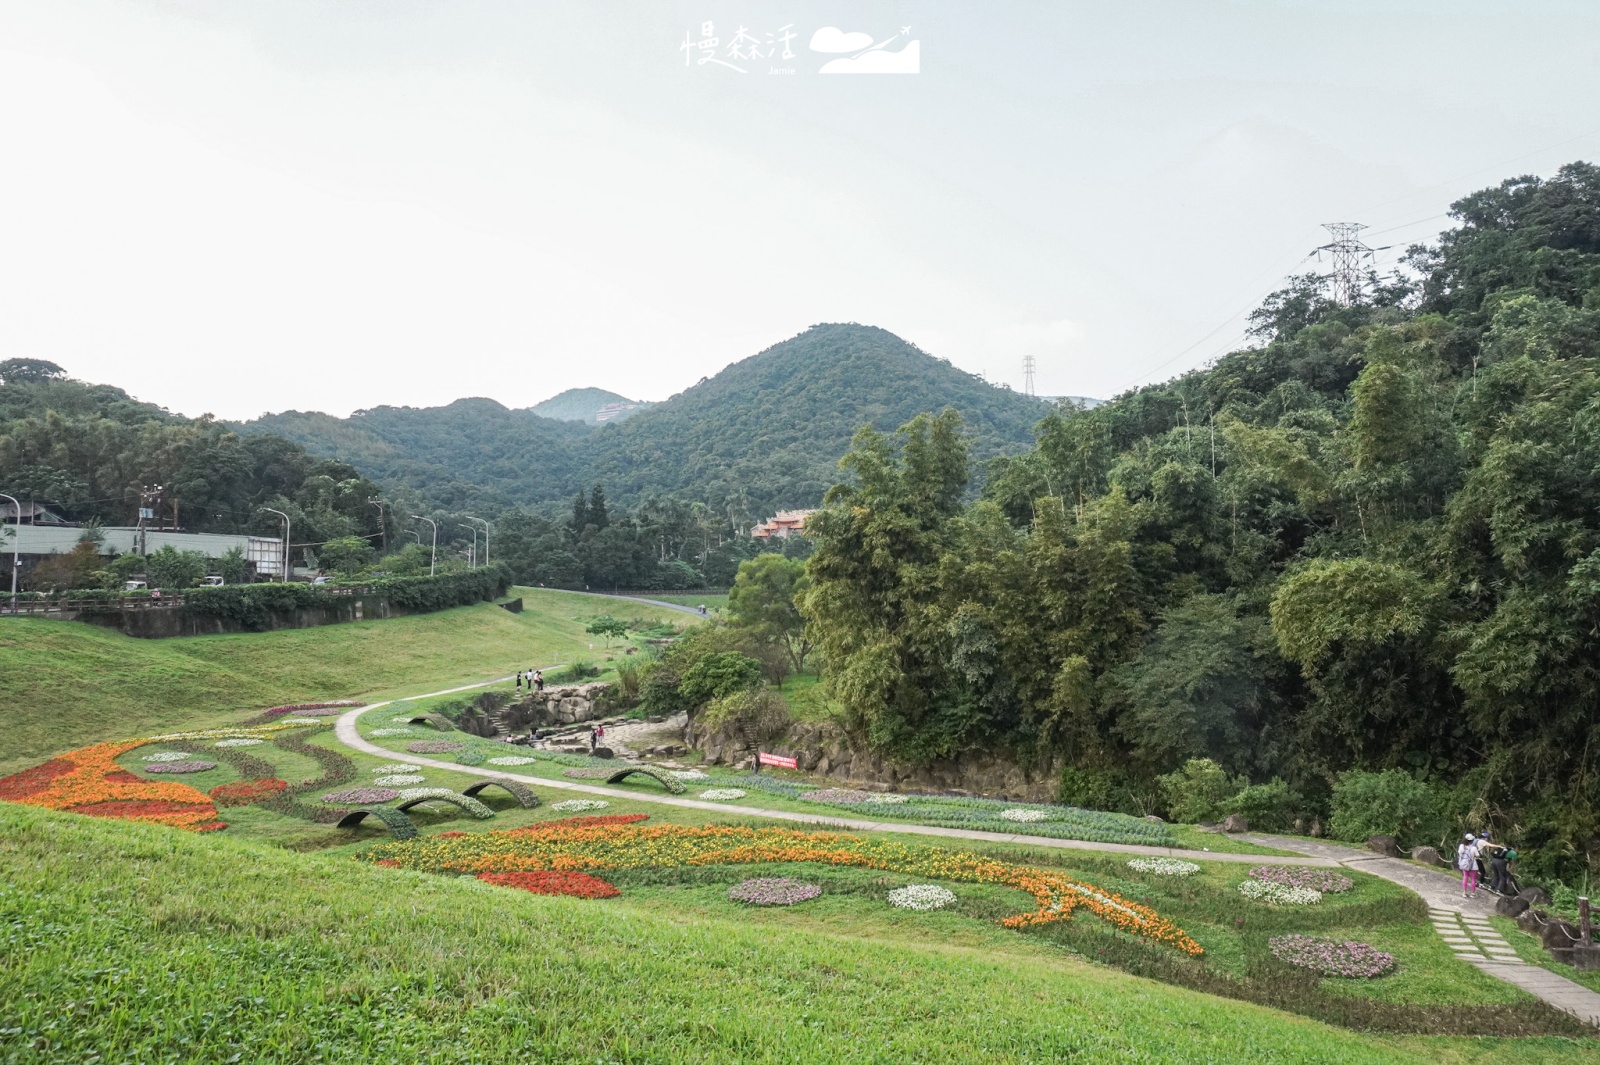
[15, 370]
[762, 602]
[347, 554]
[607, 626]
[233, 566]
[172, 569]
[717, 676]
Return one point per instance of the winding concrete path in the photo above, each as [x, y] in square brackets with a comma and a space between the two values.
[345, 730]
[1463, 923]
[679, 607]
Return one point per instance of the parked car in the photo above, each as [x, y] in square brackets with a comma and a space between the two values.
[134, 586]
[211, 582]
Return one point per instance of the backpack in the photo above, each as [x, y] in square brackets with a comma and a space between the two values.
[1466, 857]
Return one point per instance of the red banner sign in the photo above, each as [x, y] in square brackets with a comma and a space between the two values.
[775, 759]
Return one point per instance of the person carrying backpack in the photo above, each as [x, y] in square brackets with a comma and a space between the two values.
[1467, 862]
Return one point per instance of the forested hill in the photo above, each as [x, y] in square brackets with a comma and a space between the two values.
[583, 405]
[765, 433]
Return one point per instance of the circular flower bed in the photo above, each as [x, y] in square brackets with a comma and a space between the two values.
[1163, 866]
[837, 795]
[166, 756]
[246, 792]
[390, 732]
[921, 897]
[196, 766]
[512, 759]
[1278, 895]
[689, 774]
[433, 746]
[360, 796]
[723, 794]
[574, 806]
[399, 780]
[1296, 876]
[1024, 815]
[577, 885]
[1331, 958]
[241, 741]
[395, 767]
[773, 891]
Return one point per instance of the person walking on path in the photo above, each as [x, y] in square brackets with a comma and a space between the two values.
[519, 682]
[594, 737]
[1467, 862]
[538, 679]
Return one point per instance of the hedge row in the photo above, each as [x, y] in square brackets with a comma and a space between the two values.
[252, 605]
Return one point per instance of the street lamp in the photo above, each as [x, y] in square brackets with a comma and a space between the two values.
[433, 556]
[286, 527]
[474, 530]
[485, 538]
[383, 526]
[16, 546]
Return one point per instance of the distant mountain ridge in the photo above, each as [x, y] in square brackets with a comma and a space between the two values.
[763, 434]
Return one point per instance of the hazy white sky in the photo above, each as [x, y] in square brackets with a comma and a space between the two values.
[251, 206]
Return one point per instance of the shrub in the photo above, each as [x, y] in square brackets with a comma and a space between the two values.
[1269, 806]
[1197, 791]
[761, 714]
[1391, 803]
[719, 675]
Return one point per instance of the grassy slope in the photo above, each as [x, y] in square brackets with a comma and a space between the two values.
[69, 684]
[283, 957]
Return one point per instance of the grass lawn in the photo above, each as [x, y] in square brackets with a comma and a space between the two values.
[1531, 951]
[71, 684]
[141, 943]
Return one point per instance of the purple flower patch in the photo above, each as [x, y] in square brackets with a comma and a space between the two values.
[1324, 880]
[434, 746]
[312, 709]
[179, 767]
[360, 796]
[773, 891]
[1331, 958]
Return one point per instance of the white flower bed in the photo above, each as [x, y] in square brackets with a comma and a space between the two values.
[390, 732]
[399, 780]
[578, 806]
[1278, 895]
[512, 759]
[723, 794]
[689, 774]
[243, 741]
[402, 720]
[166, 756]
[1023, 815]
[300, 721]
[395, 767]
[888, 800]
[921, 897]
[1163, 866]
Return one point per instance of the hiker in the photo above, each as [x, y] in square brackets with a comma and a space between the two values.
[538, 679]
[519, 682]
[594, 737]
[1467, 862]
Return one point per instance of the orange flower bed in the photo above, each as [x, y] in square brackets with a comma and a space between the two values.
[89, 781]
[574, 885]
[246, 792]
[559, 847]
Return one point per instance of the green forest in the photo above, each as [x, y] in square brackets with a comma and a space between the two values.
[1370, 543]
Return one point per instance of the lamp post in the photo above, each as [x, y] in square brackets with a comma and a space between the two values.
[433, 556]
[16, 546]
[286, 527]
[485, 538]
[473, 529]
[383, 526]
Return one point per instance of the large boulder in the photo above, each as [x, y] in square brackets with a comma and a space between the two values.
[1428, 856]
[1536, 895]
[1384, 845]
[1531, 921]
[1236, 823]
[1510, 906]
[1558, 934]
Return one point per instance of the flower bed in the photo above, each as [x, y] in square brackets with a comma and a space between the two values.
[557, 845]
[384, 733]
[464, 802]
[723, 794]
[434, 746]
[1332, 958]
[312, 709]
[89, 781]
[1325, 881]
[360, 796]
[690, 775]
[921, 897]
[470, 757]
[591, 772]
[1278, 895]
[589, 821]
[399, 780]
[579, 805]
[394, 767]
[246, 792]
[164, 756]
[300, 721]
[195, 766]
[512, 759]
[837, 796]
[773, 891]
[1023, 815]
[1163, 866]
[887, 799]
[241, 741]
[576, 885]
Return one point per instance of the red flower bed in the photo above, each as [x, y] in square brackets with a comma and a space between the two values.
[122, 776]
[246, 792]
[589, 821]
[450, 835]
[164, 811]
[576, 885]
[32, 781]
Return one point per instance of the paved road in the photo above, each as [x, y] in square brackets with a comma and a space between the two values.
[1463, 923]
[679, 607]
[345, 730]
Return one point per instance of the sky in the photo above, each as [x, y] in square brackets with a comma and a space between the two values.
[242, 207]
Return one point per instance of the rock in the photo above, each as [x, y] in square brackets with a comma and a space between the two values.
[1585, 958]
[822, 766]
[1558, 934]
[1530, 921]
[1536, 896]
[1384, 845]
[1316, 829]
[655, 719]
[1153, 819]
[1511, 907]
[602, 752]
[1428, 856]
[1236, 823]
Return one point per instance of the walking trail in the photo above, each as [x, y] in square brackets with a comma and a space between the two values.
[1463, 923]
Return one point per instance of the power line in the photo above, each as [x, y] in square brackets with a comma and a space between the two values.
[1028, 367]
[1349, 255]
